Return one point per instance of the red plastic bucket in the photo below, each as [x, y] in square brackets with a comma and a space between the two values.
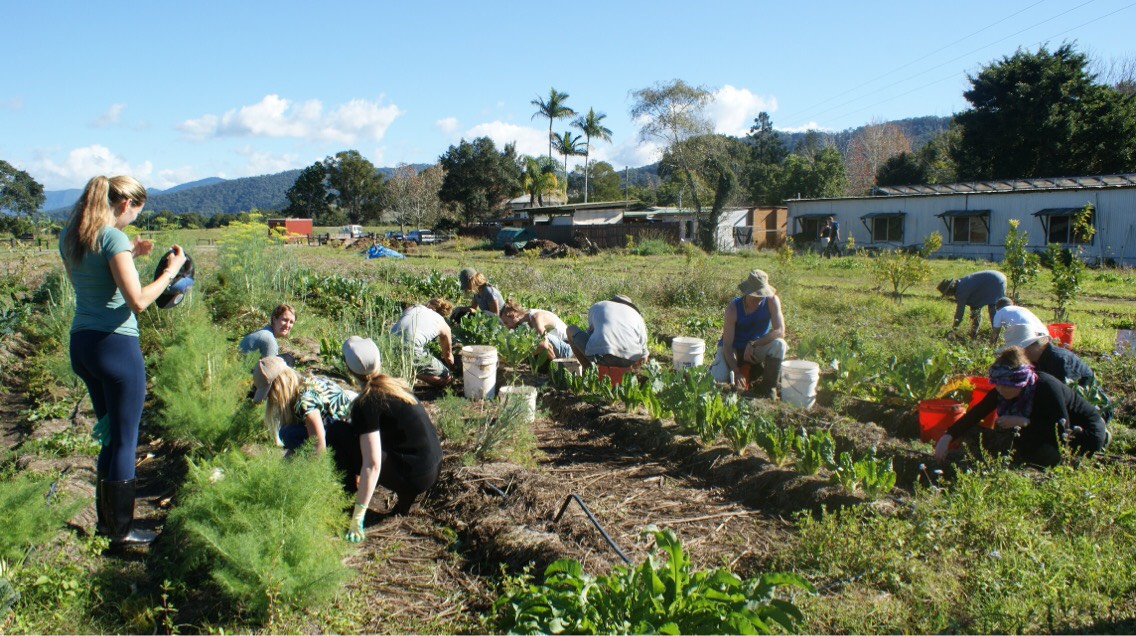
[982, 386]
[613, 374]
[936, 416]
[1062, 332]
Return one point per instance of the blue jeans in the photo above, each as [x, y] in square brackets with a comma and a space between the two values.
[111, 366]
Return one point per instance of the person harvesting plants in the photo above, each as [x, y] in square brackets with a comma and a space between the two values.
[616, 335]
[265, 340]
[555, 332]
[105, 353]
[421, 324]
[977, 290]
[753, 333]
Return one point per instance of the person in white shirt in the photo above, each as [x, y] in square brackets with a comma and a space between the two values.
[555, 344]
[420, 324]
[1007, 313]
[616, 335]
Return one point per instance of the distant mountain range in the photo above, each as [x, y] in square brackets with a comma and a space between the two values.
[213, 195]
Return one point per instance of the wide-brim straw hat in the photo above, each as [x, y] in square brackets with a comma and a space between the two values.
[757, 283]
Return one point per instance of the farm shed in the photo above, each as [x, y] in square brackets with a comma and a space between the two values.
[974, 217]
[303, 227]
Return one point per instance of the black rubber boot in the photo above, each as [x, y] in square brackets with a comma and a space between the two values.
[770, 379]
[117, 502]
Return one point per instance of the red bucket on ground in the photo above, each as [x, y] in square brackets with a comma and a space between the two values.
[1062, 332]
[982, 386]
[613, 374]
[936, 416]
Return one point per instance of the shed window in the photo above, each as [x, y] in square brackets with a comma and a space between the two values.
[1058, 224]
[967, 226]
[808, 227]
[884, 227]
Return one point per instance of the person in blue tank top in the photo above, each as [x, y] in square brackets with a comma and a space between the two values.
[753, 333]
[99, 259]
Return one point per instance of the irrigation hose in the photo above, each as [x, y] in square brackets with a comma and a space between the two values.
[574, 497]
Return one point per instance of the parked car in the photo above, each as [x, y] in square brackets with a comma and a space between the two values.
[394, 234]
[352, 231]
[422, 237]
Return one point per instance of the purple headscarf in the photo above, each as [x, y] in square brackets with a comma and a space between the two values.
[1024, 378]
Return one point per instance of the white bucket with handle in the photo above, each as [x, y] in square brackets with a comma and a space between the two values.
[479, 371]
[687, 352]
[519, 399]
[799, 380]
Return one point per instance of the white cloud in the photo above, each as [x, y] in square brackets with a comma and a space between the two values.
[629, 152]
[812, 125]
[530, 141]
[110, 117]
[447, 124]
[258, 162]
[732, 109]
[275, 116]
[83, 163]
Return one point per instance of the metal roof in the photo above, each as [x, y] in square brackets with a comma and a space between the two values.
[1012, 185]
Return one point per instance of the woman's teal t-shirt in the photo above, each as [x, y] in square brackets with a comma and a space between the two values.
[99, 305]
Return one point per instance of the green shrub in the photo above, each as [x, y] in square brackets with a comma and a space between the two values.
[662, 595]
[29, 518]
[202, 382]
[266, 530]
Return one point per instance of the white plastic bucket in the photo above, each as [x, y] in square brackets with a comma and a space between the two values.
[479, 371]
[522, 398]
[687, 352]
[571, 365]
[799, 382]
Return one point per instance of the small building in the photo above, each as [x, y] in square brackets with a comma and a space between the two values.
[974, 217]
[301, 227]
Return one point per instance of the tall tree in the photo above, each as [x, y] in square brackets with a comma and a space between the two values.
[871, 146]
[902, 169]
[767, 153]
[672, 113]
[308, 197]
[479, 177]
[554, 108]
[592, 127]
[357, 186]
[1043, 115]
[19, 192]
[413, 195]
[568, 145]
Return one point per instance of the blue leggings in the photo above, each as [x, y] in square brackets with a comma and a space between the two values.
[111, 366]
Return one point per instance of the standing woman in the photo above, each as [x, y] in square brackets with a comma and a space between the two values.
[99, 259]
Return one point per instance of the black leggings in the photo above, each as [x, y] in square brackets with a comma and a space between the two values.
[111, 366]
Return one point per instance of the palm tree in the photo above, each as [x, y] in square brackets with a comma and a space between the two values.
[592, 126]
[539, 177]
[568, 145]
[553, 109]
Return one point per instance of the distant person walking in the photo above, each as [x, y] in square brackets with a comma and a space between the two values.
[105, 354]
[831, 231]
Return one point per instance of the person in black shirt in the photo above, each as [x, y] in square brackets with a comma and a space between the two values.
[1036, 415]
[1057, 361]
[389, 440]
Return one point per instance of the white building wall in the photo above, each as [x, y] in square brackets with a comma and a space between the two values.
[1115, 219]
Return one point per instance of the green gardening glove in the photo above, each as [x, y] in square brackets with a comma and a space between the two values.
[355, 532]
[101, 431]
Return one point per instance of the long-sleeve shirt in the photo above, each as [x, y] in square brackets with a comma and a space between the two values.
[979, 289]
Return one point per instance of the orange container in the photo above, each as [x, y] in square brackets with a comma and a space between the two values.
[936, 416]
[982, 386]
[613, 374]
[1062, 332]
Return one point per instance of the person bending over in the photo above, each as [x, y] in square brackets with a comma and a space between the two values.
[977, 290]
[555, 332]
[298, 407]
[418, 326]
[616, 335]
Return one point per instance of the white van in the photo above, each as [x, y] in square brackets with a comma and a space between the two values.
[352, 231]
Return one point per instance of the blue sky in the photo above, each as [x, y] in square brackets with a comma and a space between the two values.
[173, 92]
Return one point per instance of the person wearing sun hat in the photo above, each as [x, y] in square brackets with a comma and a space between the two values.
[1006, 313]
[388, 441]
[1037, 415]
[753, 333]
[977, 290]
[297, 408]
[486, 297]
[616, 335]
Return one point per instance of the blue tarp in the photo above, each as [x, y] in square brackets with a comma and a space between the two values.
[378, 251]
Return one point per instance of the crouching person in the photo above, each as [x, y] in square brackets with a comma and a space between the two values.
[298, 407]
[389, 440]
[616, 335]
[555, 332]
[753, 338]
[418, 326]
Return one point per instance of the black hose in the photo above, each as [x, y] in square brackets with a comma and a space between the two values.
[574, 496]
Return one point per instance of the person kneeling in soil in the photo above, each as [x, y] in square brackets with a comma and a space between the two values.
[1036, 415]
[1007, 314]
[486, 297]
[616, 335]
[977, 290]
[555, 332]
[265, 340]
[388, 441]
[298, 408]
[753, 335]
[418, 326]
[1058, 362]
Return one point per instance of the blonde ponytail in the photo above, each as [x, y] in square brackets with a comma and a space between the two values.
[381, 385]
[95, 210]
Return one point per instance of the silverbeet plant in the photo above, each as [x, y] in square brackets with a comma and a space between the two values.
[663, 595]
